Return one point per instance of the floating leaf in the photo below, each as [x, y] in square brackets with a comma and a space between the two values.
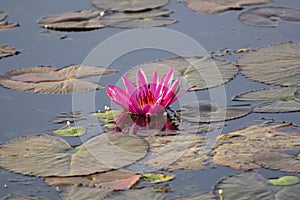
[247, 185]
[44, 79]
[125, 5]
[279, 99]
[216, 7]
[46, 155]
[239, 148]
[64, 119]
[269, 16]
[73, 21]
[297, 95]
[192, 128]
[176, 152]
[73, 131]
[143, 19]
[2, 15]
[83, 193]
[277, 160]
[116, 180]
[22, 197]
[110, 115]
[4, 25]
[202, 72]
[145, 194]
[288, 193]
[205, 111]
[202, 196]
[7, 51]
[157, 178]
[285, 180]
[275, 64]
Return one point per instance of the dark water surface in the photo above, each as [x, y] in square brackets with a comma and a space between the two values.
[26, 113]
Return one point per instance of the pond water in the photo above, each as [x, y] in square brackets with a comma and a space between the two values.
[26, 113]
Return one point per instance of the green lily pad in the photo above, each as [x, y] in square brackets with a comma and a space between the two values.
[285, 180]
[110, 115]
[262, 65]
[46, 155]
[116, 180]
[157, 178]
[125, 5]
[269, 16]
[202, 72]
[144, 19]
[72, 131]
[6, 51]
[176, 152]
[238, 149]
[73, 21]
[44, 79]
[216, 7]
[279, 99]
[23, 197]
[204, 111]
[83, 193]
[144, 193]
[246, 185]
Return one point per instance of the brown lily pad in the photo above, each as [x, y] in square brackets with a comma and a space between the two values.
[237, 149]
[23, 197]
[145, 194]
[176, 152]
[46, 155]
[83, 193]
[216, 7]
[125, 5]
[116, 180]
[144, 19]
[73, 21]
[6, 51]
[4, 25]
[205, 111]
[297, 95]
[202, 196]
[44, 79]
[262, 65]
[269, 16]
[202, 72]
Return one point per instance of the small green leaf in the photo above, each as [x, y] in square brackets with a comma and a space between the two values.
[108, 115]
[285, 180]
[73, 131]
[110, 126]
[157, 178]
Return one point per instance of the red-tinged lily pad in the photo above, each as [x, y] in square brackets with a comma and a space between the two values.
[263, 64]
[176, 152]
[239, 148]
[4, 25]
[44, 79]
[116, 180]
[125, 5]
[144, 19]
[269, 16]
[278, 100]
[216, 7]
[202, 72]
[23, 197]
[145, 194]
[73, 21]
[205, 111]
[82, 193]
[7, 51]
[46, 155]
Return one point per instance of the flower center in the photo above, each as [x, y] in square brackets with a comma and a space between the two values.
[144, 99]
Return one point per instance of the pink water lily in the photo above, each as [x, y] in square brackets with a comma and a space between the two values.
[146, 99]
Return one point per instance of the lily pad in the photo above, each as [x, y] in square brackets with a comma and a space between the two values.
[247, 185]
[205, 111]
[176, 152]
[46, 155]
[288, 193]
[73, 21]
[216, 7]
[116, 180]
[125, 5]
[145, 193]
[278, 160]
[297, 95]
[4, 25]
[279, 99]
[6, 51]
[44, 79]
[108, 116]
[202, 196]
[72, 131]
[23, 197]
[285, 180]
[83, 193]
[263, 64]
[157, 178]
[269, 16]
[239, 148]
[192, 128]
[202, 72]
[65, 119]
[152, 18]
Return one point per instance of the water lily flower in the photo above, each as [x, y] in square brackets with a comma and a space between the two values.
[146, 99]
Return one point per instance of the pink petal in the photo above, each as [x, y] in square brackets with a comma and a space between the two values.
[130, 88]
[154, 82]
[141, 80]
[118, 95]
[171, 93]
